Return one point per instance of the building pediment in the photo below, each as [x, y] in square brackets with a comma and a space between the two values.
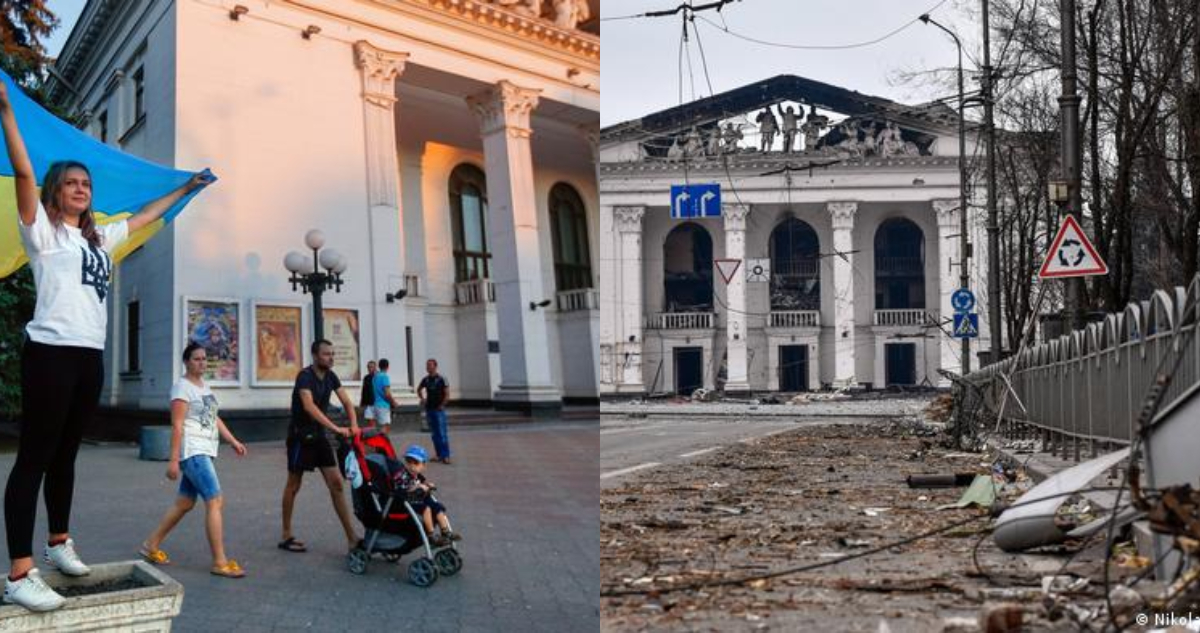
[839, 123]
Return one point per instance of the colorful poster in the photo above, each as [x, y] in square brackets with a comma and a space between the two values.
[214, 326]
[341, 328]
[278, 350]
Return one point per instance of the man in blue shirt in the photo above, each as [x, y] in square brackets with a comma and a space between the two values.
[382, 386]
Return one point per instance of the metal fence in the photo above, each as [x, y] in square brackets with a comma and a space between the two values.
[1082, 392]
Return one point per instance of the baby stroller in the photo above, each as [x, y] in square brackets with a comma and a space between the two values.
[393, 528]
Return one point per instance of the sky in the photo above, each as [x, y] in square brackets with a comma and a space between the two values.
[640, 69]
[67, 11]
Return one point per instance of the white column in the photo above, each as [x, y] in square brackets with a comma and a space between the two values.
[385, 239]
[525, 382]
[948, 259]
[842, 214]
[737, 372]
[628, 221]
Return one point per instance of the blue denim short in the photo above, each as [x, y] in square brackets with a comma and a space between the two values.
[199, 478]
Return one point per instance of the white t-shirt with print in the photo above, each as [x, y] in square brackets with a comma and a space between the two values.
[72, 280]
[200, 433]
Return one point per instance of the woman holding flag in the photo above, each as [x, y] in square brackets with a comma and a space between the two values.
[61, 363]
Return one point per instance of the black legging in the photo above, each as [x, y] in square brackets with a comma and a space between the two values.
[60, 388]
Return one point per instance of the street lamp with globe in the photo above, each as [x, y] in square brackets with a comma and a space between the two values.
[309, 278]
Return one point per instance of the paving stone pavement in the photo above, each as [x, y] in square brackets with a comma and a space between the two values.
[526, 499]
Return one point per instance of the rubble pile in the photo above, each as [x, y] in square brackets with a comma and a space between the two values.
[821, 494]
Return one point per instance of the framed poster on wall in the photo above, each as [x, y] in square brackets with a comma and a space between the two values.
[279, 344]
[215, 325]
[341, 328]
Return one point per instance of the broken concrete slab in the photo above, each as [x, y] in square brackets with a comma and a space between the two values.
[1031, 520]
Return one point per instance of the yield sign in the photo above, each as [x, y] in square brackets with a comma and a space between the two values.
[1072, 254]
[727, 267]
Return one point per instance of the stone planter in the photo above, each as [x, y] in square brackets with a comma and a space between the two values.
[127, 596]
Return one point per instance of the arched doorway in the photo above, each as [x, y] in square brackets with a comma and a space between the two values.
[687, 269]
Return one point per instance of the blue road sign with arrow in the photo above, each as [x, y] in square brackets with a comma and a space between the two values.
[963, 300]
[966, 325]
[696, 201]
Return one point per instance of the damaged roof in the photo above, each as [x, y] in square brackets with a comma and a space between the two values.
[777, 89]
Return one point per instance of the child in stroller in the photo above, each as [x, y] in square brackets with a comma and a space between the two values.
[389, 514]
[411, 479]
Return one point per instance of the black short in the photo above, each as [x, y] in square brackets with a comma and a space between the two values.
[309, 456]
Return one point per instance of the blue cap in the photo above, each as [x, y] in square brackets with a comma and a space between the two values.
[416, 453]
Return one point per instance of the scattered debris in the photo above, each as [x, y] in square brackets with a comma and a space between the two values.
[1001, 618]
[940, 481]
[982, 493]
[850, 543]
[1062, 584]
[1032, 521]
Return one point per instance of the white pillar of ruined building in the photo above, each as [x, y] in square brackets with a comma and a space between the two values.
[947, 212]
[379, 69]
[842, 214]
[628, 265]
[737, 370]
[525, 381]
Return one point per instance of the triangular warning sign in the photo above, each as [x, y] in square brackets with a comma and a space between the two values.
[727, 267]
[1072, 254]
[966, 327]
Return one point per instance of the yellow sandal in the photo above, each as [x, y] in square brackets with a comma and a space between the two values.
[230, 569]
[154, 556]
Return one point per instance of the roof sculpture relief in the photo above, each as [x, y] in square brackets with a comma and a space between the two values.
[768, 118]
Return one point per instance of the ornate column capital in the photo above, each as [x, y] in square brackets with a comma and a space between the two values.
[734, 215]
[506, 106]
[379, 69]
[842, 214]
[947, 212]
[629, 219]
[591, 135]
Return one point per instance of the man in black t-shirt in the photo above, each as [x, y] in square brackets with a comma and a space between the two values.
[434, 391]
[367, 399]
[307, 446]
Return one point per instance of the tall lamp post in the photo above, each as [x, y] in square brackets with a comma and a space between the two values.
[963, 245]
[308, 277]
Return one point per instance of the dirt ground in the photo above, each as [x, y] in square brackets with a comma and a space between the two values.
[808, 496]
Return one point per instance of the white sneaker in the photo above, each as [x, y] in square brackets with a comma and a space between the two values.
[32, 593]
[63, 558]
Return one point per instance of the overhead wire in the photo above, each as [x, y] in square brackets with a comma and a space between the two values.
[818, 47]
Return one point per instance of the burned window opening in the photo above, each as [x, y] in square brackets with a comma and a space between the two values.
[687, 269]
[795, 267]
[899, 266]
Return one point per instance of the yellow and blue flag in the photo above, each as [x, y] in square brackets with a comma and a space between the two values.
[121, 183]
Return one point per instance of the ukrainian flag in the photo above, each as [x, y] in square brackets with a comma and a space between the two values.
[121, 183]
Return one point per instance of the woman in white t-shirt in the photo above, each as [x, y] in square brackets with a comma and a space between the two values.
[62, 367]
[196, 431]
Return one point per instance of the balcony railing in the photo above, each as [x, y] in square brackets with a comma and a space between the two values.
[577, 300]
[680, 321]
[899, 266]
[474, 292]
[808, 267]
[901, 317]
[795, 318]
[412, 283]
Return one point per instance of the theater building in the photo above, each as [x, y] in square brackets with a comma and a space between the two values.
[446, 148]
[839, 217]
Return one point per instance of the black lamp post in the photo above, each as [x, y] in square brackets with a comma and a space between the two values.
[963, 245]
[310, 279]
